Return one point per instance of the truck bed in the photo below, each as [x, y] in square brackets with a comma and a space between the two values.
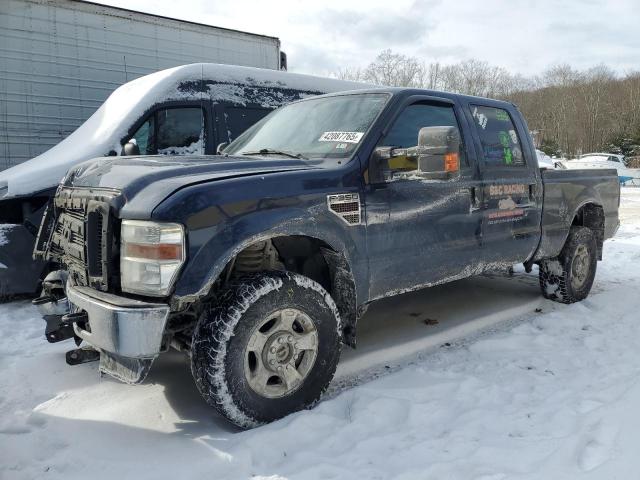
[565, 192]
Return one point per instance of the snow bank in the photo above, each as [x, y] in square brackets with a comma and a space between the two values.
[552, 394]
[544, 160]
[104, 130]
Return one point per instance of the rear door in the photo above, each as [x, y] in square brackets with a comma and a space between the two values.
[511, 201]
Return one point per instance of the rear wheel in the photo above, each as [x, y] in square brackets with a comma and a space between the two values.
[569, 277]
[268, 348]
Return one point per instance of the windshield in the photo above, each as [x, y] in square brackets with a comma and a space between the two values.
[326, 127]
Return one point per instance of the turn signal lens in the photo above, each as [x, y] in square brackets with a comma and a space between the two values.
[161, 251]
[451, 162]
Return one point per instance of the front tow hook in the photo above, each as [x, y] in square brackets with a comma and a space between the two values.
[78, 356]
[75, 317]
[55, 312]
[42, 300]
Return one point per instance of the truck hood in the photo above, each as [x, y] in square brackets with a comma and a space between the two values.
[147, 180]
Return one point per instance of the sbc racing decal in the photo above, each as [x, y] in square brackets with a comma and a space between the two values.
[502, 204]
[507, 190]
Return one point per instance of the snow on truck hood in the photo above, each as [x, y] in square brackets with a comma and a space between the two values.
[104, 130]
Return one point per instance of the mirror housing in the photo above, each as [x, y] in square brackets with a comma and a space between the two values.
[437, 155]
[220, 148]
[130, 148]
[438, 151]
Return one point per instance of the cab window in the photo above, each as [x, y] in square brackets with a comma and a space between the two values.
[172, 131]
[405, 129]
[238, 119]
[500, 141]
[144, 137]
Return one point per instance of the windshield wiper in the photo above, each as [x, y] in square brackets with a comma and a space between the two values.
[271, 151]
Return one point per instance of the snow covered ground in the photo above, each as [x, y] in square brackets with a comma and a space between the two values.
[479, 379]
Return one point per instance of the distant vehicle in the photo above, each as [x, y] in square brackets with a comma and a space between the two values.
[606, 160]
[259, 262]
[545, 161]
[187, 110]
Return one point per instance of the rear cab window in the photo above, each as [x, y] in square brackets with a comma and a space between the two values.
[501, 145]
[239, 119]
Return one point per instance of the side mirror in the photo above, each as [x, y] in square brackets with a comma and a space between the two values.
[220, 148]
[436, 156]
[131, 148]
[438, 151]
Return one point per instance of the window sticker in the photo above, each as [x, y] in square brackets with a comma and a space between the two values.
[348, 137]
[341, 146]
[498, 135]
[481, 118]
[505, 140]
[502, 115]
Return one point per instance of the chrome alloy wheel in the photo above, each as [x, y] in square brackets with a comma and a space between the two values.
[580, 267]
[280, 353]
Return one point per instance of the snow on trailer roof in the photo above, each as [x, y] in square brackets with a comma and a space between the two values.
[104, 130]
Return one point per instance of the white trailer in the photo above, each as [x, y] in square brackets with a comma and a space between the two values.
[61, 59]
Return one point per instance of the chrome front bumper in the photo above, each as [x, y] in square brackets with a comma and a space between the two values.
[118, 325]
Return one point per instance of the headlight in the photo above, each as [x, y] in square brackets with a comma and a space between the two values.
[151, 255]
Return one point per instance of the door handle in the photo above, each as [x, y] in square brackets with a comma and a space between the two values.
[475, 201]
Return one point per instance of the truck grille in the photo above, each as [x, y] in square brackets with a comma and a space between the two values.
[81, 236]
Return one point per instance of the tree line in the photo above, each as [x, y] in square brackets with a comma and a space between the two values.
[569, 111]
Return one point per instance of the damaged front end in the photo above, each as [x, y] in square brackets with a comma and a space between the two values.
[77, 302]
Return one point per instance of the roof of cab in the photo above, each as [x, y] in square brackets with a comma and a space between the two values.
[407, 92]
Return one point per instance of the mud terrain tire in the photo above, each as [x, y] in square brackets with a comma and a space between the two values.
[568, 278]
[228, 332]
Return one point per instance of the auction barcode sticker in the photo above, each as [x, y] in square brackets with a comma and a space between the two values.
[349, 137]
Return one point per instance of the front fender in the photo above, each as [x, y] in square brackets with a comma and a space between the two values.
[217, 233]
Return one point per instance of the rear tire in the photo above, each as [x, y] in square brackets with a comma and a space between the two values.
[267, 348]
[568, 278]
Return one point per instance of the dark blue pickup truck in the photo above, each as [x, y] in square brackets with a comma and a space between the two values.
[259, 261]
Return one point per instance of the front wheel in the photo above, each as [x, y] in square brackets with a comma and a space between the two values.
[268, 348]
[568, 278]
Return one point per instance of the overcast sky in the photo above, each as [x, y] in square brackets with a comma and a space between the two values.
[524, 36]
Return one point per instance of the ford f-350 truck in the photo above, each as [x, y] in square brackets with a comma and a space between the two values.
[258, 262]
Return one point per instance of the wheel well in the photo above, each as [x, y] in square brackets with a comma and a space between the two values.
[312, 258]
[592, 216]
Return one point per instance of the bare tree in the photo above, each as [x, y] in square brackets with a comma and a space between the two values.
[353, 74]
[572, 111]
[396, 70]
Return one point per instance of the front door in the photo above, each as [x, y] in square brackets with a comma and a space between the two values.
[422, 231]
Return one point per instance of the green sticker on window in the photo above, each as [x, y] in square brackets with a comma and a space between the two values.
[504, 139]
[508, 156]
[502, 115]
